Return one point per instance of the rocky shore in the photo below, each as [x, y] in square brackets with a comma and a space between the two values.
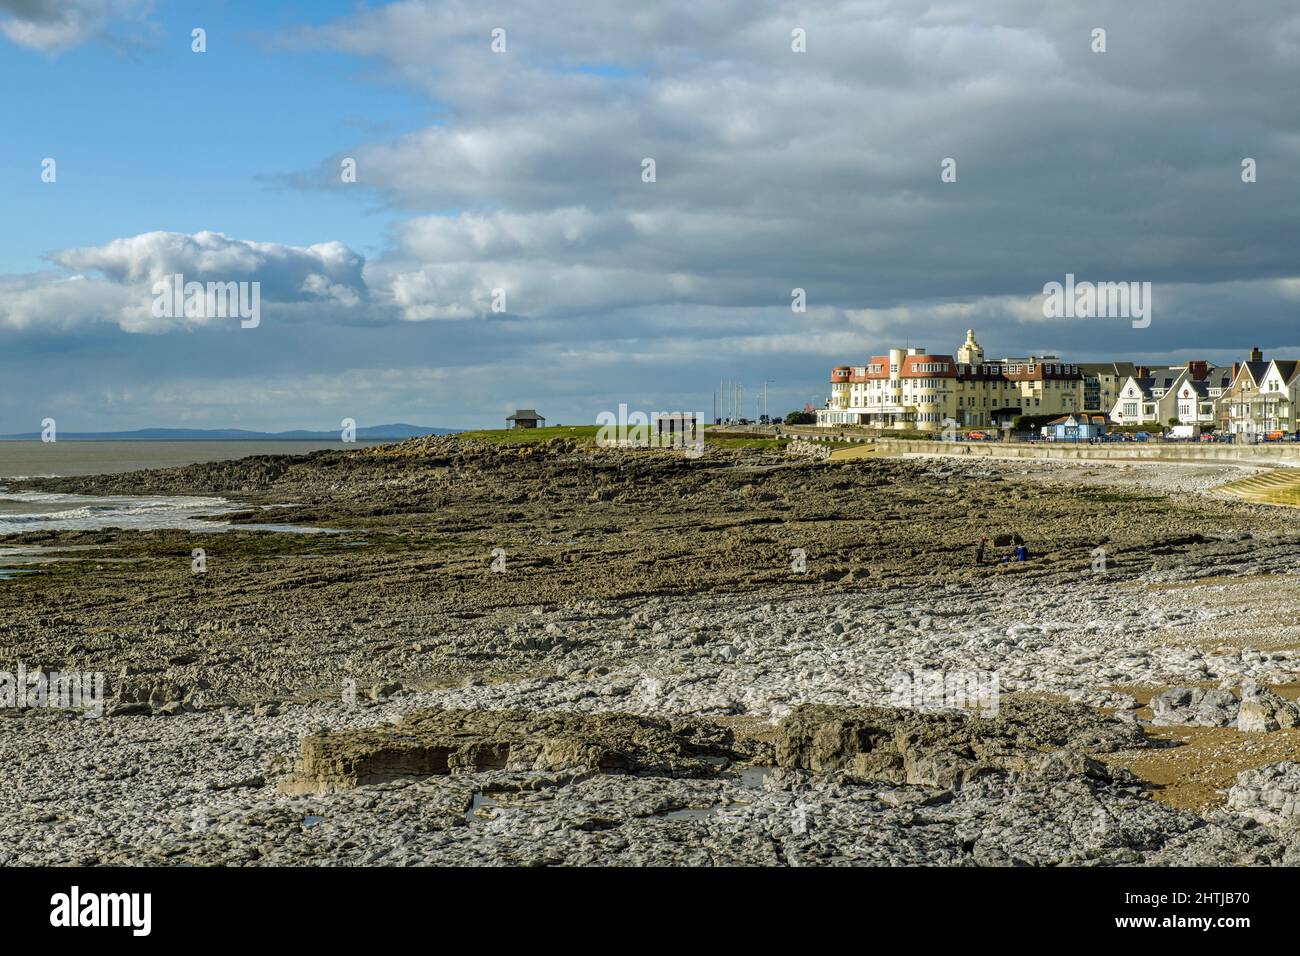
[565, 654]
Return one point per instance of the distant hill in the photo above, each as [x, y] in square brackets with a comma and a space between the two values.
[393, 432]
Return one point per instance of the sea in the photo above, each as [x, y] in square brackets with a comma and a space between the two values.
[39, 511]
[33, 459]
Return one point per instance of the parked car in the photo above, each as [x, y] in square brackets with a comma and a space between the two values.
[1276, 435]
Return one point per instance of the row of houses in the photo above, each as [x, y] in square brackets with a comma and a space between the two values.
[911, 388]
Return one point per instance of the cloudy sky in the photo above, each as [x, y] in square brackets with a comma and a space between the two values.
[522, 171]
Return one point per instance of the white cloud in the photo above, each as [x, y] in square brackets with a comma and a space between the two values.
[53, 25]
[775, 170]
[113, 282]
[56, 302]
[818, 170]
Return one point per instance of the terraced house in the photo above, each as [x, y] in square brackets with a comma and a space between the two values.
[1198, 399]
[1171, 394]
[1102, 382]
[1262, 397]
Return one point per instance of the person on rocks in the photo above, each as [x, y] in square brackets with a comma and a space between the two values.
[979, 549]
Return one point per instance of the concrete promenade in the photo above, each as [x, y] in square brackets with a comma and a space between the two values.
[1279, 454]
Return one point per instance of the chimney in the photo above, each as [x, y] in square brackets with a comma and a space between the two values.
[1236, 367]
[1256, 355]
[1198, 369]
[1143, 372]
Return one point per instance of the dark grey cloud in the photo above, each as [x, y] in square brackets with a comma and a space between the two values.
[821, 169]
[775, 170]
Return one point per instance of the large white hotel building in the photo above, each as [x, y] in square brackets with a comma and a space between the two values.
[914, 389]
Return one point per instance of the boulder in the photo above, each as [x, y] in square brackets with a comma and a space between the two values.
[1269, 795]
[936, 749]
[1263, 710]
[1194, 707]
[437, 741]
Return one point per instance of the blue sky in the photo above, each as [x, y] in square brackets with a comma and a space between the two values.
[520, 171]
[148, 135]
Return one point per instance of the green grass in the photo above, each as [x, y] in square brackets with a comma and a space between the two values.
[913, 436]
[908, 435]
[532, 436]
[744, 442]
[587, 435]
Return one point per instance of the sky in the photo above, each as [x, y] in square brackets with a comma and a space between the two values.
[501, 247]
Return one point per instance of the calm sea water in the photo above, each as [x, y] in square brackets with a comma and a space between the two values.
[39, 511]
[29, 459]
